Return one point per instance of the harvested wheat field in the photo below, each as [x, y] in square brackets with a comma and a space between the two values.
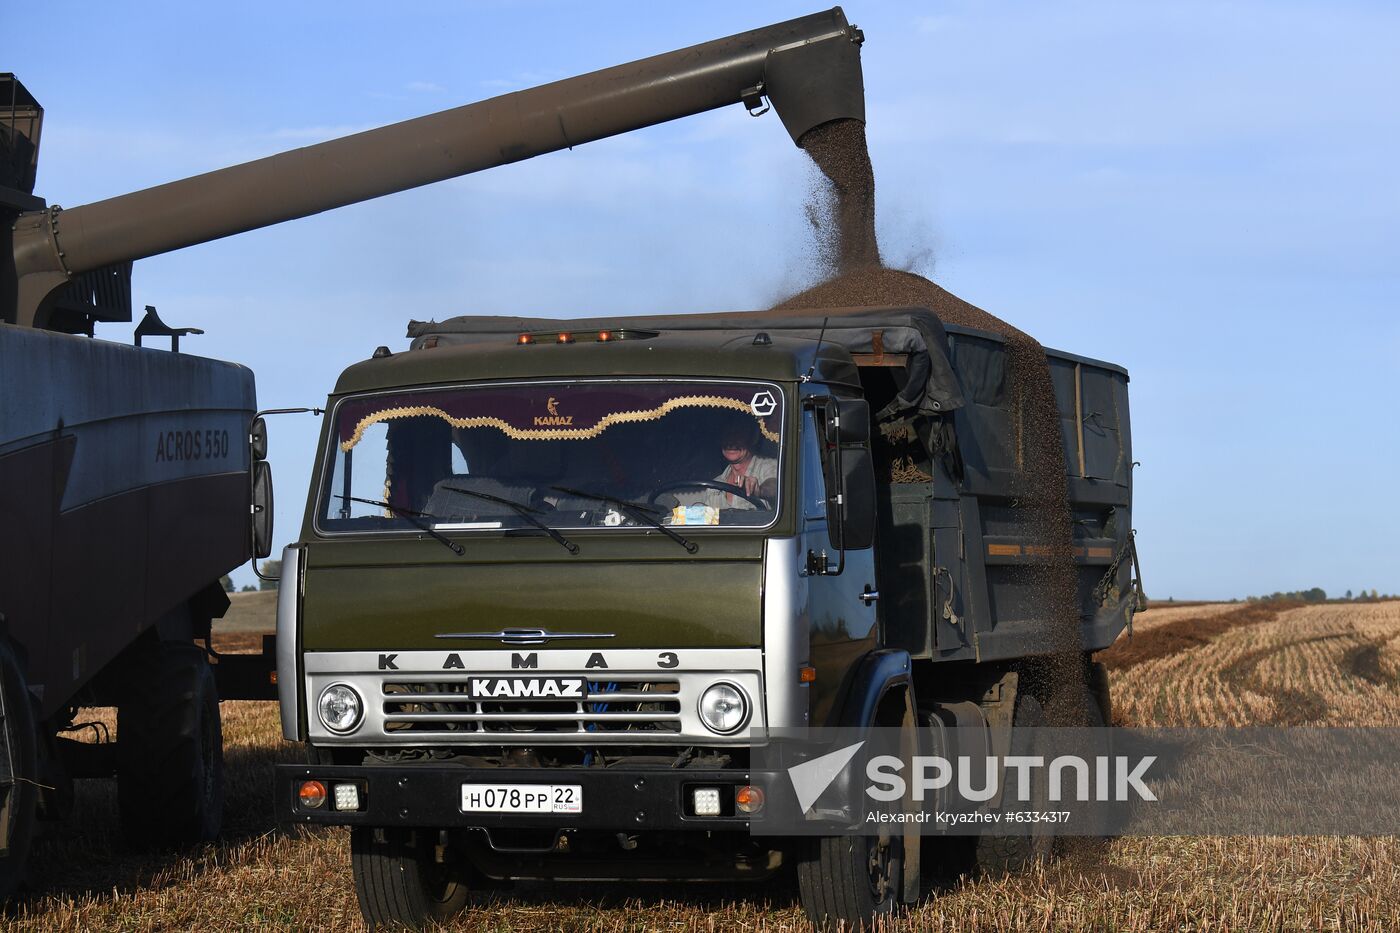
[1235, 664]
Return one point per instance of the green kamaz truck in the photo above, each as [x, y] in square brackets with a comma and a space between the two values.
[558, 580]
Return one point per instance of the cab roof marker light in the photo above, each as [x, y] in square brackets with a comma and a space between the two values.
[606, 335]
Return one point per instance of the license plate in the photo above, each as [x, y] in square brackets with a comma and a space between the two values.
[522, 798]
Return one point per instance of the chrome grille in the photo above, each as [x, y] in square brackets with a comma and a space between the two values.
[441, 706]
[413, 699]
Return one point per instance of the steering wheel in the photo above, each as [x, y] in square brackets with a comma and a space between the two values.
[757, 502]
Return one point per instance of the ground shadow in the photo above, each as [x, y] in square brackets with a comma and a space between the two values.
[777, 893]
[85, 853]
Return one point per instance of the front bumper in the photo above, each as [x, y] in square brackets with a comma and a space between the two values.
[618, 799]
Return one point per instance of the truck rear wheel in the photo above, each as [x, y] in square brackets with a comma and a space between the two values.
[170, 753]
[398, 880]
[850, 880]
[20, 798]
[1000, 855]
[1103, 696]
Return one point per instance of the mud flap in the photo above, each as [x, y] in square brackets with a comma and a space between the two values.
[909, 747]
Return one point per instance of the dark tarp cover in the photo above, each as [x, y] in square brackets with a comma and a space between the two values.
[932, 389]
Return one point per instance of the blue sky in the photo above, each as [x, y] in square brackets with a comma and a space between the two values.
[1205, 193]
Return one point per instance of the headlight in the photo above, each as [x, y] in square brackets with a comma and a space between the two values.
[724, 708]
[340, 708]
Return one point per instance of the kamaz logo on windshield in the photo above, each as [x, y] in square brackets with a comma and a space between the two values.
[553, 419]
[518, 688]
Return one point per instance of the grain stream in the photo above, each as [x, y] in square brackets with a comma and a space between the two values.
[849, 258]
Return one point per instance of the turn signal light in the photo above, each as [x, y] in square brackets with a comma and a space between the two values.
[312, 795]
[748, 799]
[806, 675]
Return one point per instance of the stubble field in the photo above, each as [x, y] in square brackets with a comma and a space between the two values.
[1215, 665]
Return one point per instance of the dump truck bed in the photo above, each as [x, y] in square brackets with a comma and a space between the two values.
[961, 576]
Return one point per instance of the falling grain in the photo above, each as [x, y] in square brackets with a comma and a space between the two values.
[850, 256]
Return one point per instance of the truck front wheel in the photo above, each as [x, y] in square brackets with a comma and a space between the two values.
[850, 880]
[399, 880]
[170, 755]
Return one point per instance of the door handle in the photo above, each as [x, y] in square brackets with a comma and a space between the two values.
[869, 596]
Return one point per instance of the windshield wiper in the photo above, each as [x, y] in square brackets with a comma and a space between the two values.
[635, 509]
[524, 511]
[412, 516]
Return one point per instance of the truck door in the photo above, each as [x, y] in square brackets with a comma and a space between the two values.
[843, 626]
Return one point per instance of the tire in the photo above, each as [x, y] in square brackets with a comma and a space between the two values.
[17, 730]
[1010, 854]
[1103, 696]
[170, 754]
[850, 880]
[398, 881]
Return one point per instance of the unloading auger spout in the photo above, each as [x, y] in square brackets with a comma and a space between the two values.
[808, 69]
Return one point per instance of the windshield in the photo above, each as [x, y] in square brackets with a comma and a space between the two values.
[556, 455]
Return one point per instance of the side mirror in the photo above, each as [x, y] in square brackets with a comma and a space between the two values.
[261, 524]
[262, 509]
[260, 531]
[257, 439]
[849, 470]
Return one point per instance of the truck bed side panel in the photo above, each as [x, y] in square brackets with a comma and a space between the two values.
[957, 562]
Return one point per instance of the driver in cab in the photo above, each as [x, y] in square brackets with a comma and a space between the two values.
[744, 469]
